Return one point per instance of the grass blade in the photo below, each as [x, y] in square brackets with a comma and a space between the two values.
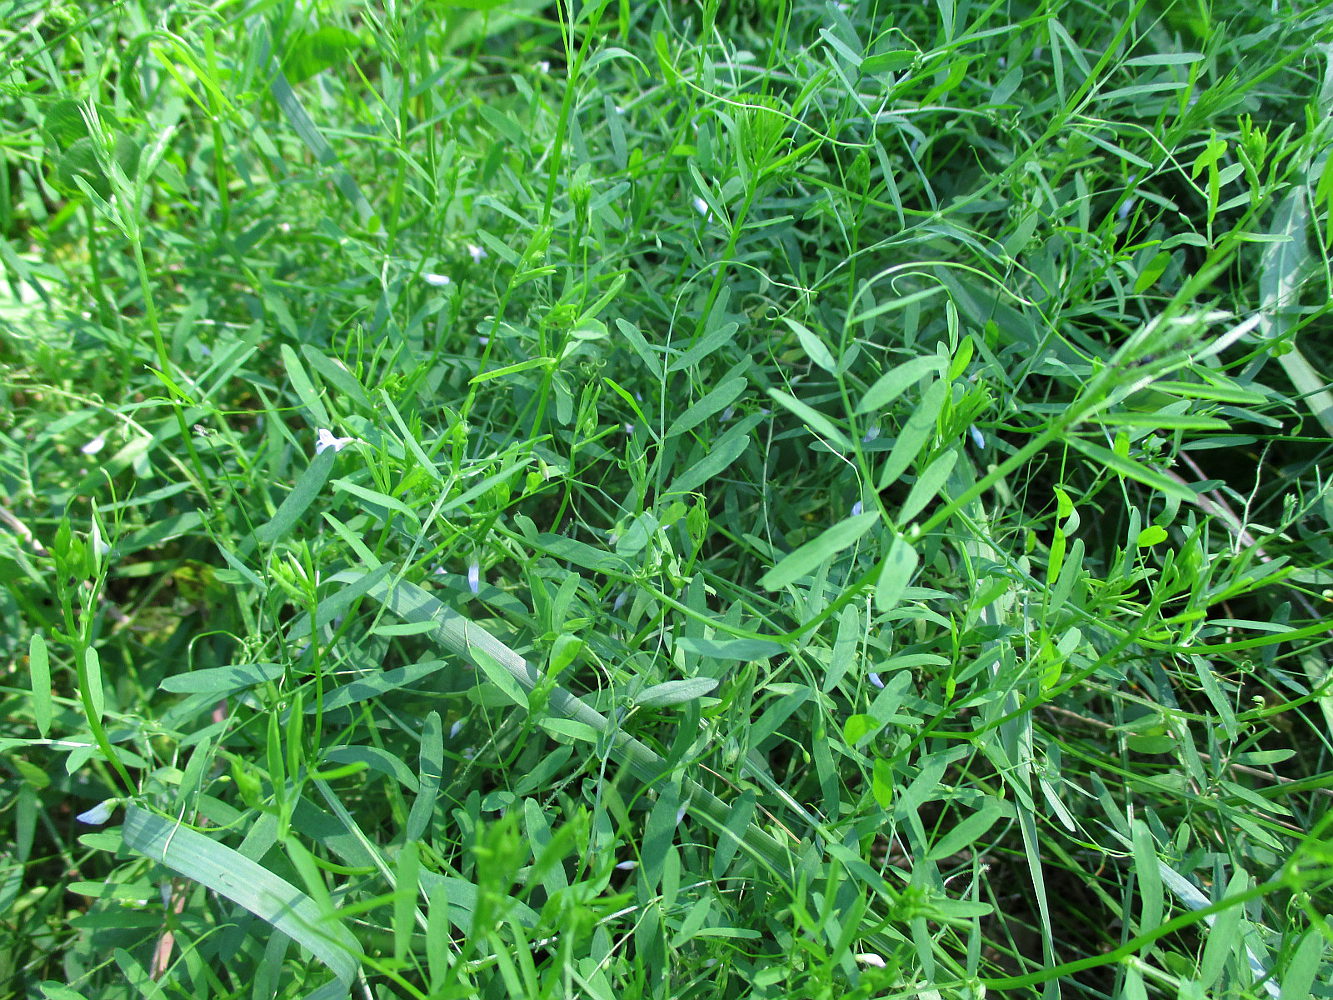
[274, 900]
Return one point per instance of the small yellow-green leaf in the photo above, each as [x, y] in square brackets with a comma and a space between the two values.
[1154, 270]
[858, 727]
[1151, 535]
[39, 671]
[882, 783]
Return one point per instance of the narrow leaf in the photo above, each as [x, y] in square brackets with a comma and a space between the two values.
[675, 692]
[305, 389]
[822, 424]
[899, 565]
[499, 676]
[920, 428]
[222, 680]
[729, 447]
[813, 346]
[713, 402]
[430, 768]
[729, 649]
[896, 381]
[296, 502]
[927, 485]
[1126, 466]
[304, 126]
[969, 831]
[805, 559]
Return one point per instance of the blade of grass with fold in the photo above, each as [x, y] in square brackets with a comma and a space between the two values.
[228, 873]
[459, 635]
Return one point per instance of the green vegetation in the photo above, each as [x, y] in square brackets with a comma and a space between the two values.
[666, 500]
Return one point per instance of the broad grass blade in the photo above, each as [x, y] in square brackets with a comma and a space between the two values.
[274, 900]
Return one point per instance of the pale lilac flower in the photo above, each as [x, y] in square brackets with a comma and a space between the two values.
[98, 814]
[544, 66]
[977, 439]
[700, 205]
[876, 680]
[478, 253]
[871, 959]
[95, 445]
[453, 730]
[680, 813]
[629, 428]
[727, 414]
[437, 280]
[857, 508]
[871, 434]
[627, 866]
[621, 598]
[474, 577]
[324, 439]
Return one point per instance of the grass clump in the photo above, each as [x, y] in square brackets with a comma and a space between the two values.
[651, 500]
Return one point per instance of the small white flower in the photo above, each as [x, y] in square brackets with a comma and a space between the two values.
[977, 439]
[438, 280]
[857, 508]
[324, 439]
[99, 543]
[477, 253]
[621, 598]
[1123, 211]
[680, 813]
[727, 414]
[871, 959]
[629, 429]
[627, 866]
[619, 110]
[544, 66]
[98, 814]
[871, 434]
[474, 577]
[700, 205]
[95, 445]
[453, 730]
[876, 680]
